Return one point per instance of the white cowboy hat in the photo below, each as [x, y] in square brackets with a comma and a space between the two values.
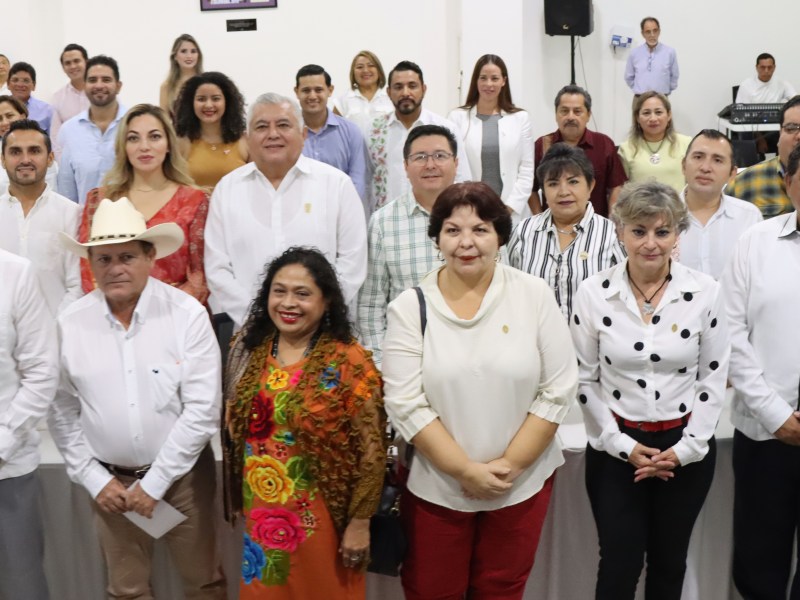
[117, 222]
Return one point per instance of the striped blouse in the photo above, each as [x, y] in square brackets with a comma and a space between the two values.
[534, 248]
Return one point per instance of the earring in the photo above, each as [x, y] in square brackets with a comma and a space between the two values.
[326, 321]
[497, 257]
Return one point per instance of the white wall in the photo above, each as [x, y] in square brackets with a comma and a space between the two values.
[716, 47]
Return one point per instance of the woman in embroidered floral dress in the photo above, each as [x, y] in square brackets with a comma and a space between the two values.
[303, 439]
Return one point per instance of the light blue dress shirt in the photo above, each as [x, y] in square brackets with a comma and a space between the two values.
[656, 70]
[340, 144]
[87, 154]
[41, 112]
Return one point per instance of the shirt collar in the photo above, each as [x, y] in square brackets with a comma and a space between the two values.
[139, 311]
[547, 223]
[412, 206]
[587, 141]
[723, 210]
[421, 120]
[39, 201]
[303, 165]
[789, 225]
[683, 281]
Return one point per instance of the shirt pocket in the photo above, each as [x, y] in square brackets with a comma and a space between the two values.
[44, 251]
[164, 382]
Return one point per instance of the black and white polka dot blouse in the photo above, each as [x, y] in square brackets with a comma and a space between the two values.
[659, 371]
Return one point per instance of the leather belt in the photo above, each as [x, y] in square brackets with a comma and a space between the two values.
[652, 426]
[135, 472]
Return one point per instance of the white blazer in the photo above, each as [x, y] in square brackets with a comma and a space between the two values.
[516, 154]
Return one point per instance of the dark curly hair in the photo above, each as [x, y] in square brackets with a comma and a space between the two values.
[259, 326]
[233, 121]
[483, 200]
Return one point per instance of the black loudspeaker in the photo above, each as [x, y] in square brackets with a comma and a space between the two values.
[568, 17]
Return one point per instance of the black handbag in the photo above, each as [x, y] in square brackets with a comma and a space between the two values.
[388, 542]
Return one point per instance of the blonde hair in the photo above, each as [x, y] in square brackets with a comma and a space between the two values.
[369, 56]
[118, 180]
[174, 74]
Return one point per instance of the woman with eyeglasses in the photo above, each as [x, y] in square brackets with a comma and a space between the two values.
[497, 136]
[654, 150]
[568, 242]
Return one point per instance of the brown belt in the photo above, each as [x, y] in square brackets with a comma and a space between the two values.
[135, 472]
[652, 426]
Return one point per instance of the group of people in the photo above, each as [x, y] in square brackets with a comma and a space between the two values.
[366, 275]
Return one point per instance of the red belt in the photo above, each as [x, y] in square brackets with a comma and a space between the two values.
[652, 425]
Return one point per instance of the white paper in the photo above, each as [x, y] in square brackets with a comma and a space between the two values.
[164, 518]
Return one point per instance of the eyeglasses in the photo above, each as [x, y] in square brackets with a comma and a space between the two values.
[791, 128]
[421, 158]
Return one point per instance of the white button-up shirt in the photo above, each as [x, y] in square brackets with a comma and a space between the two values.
[761, 284]
[659, 371]
[250, 223]
[35, 236]
[708, 247]
[28, 365]
[146, 395]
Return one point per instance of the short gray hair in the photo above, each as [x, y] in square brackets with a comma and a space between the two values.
[273, 99]
[649, 200]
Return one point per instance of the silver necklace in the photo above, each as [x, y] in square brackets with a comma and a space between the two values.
[655, 158]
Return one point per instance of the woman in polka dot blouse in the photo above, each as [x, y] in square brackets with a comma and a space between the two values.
[653, 347]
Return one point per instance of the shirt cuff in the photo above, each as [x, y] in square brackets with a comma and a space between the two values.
[621, 446]
[9, 443]
[413, 424]
[155, 485]
[549, 411]
[96, 479]
[686, 454]
[775, 415]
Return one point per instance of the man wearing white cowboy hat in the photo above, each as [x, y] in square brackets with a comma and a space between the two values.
[138, 402]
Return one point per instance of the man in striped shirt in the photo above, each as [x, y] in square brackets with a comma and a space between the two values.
[400, 253]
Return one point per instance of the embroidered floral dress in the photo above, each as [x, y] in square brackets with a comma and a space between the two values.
[291, 542]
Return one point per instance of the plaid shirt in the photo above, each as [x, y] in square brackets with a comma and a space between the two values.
[763, 185]
[400, 254]
[534, 248]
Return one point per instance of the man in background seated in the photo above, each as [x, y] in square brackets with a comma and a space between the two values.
[28, 380]
[22, 82]
[652, 66]
[87, 139]
[32, 215]
[279, 200]
[70, 99]
[400, 251]
[763, 184]
[715, 220]
[139, 399]
[388, 133]
[764, 88]
[573, 112]
[330, 138]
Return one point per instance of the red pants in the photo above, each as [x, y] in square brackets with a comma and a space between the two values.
[454, 555]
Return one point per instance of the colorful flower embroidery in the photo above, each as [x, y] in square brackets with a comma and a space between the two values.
[268, 479]
[277, 379]
[277, 528]
[280, 451]
[261, 421]
[295, 377]
[253, 560]
[329, 378]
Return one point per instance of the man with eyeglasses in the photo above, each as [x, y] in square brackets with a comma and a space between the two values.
[387, 136]
[764, 183]
[22, 82]
[653, 66]
[400, 251]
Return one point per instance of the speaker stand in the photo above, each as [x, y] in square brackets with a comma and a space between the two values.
[572, 58]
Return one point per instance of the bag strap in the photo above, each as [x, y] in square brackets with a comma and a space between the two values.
[423, 313]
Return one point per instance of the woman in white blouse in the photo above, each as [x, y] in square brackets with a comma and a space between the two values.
[497, 135]
[653, 348]
[568, 242]
[367, 98]
[480, 392]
